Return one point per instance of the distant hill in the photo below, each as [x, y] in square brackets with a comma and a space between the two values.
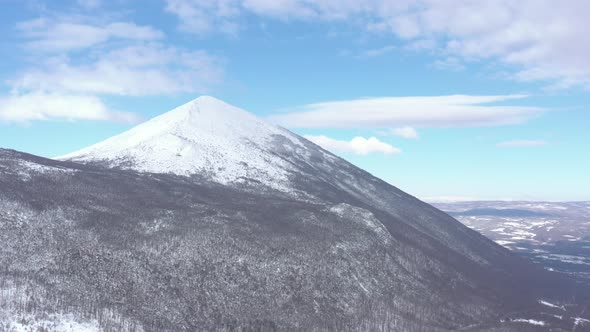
[500, 213]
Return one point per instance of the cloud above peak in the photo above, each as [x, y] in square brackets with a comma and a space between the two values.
[416, 112]
[358, 145]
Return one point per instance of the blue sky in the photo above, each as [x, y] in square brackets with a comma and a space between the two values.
[444, 99]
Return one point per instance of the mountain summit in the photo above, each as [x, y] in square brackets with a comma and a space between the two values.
[206, 137]
[208, 218]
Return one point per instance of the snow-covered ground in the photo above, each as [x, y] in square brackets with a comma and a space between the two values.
[51, 322]
[25, 170]
[581, 322]
[529, 321]
[551, 305]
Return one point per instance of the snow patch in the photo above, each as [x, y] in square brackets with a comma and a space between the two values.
[567, 259]
[365, 217]
[52, 322]
[581, 321]
[529, 321]
[551, 305]
[26, 169]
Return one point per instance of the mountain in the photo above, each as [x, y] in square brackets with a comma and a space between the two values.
[206, 137]
[208, 218]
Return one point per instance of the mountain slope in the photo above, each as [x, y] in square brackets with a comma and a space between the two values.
[208, 218]
[210, 139]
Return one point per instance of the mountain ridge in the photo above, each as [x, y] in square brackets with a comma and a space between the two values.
[331, 248]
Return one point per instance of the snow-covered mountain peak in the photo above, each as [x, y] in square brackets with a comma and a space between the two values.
[205, 136]
[211, 114]
[204, 115]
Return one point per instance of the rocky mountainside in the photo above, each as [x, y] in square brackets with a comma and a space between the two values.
[208, 218]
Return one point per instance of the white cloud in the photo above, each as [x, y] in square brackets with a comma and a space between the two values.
[521, 143]
[146, 69]
[405, 132]
[36, 107]
[449, 63]
[421, 44]
[358, 145]
[75, 60]
[544, 41]
[281, 8]
[49, 35]
[203, 16]
[435, 111]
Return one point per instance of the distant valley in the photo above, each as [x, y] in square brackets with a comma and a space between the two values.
[556, 235]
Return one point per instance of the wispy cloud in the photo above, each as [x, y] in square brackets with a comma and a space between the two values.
[201, 17]
[358, 145]
[144, 69]
[74, 61]
[378, 51]
[405, 132]
[435, 111]
[449, 63]
[38, 107]
[521, 143]
[90, 4]
[542, 41]
[70, 33]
